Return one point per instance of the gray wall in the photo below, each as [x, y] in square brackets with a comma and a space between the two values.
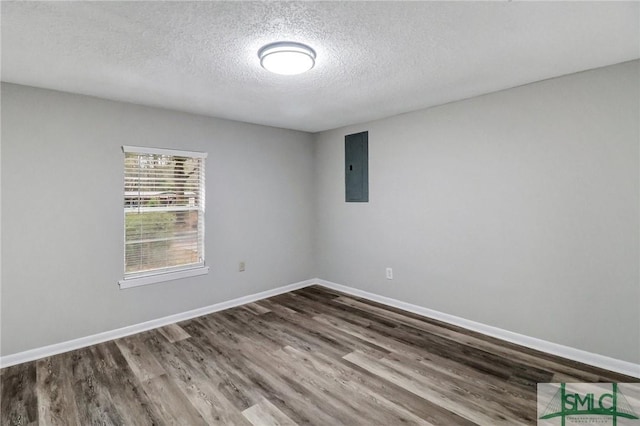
[518, 209]
[62, 220]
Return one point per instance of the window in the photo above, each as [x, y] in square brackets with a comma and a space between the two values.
[163, 215]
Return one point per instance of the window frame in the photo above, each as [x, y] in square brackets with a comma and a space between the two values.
[136, 279]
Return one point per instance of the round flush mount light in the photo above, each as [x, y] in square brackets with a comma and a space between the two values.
[287, 57]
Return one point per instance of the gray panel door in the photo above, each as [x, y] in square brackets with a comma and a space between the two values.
[356, 154]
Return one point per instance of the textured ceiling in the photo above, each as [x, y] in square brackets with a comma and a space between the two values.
[375, 59]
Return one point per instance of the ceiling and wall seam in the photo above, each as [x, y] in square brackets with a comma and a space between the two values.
[374, 59]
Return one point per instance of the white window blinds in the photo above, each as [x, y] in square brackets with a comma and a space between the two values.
[163, 210]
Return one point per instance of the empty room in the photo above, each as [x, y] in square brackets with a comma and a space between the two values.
[322, 213]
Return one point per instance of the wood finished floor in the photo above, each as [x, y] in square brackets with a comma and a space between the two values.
[312, 356]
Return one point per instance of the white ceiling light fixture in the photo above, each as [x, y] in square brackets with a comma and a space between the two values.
[287, 57]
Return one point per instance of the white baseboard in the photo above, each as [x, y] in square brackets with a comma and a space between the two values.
[58, 348]
[596, 360]
[579, 355]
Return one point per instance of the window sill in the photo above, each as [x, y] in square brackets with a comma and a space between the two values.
[158, 278]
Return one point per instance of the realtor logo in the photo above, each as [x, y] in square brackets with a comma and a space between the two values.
[616, 404]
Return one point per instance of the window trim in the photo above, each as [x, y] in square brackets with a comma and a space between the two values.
[162, 151]
[162, 277]
[183, 271]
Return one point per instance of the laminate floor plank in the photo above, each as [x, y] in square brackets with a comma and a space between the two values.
[397, 340]
[265, 413]
[144, 365]
[343, 410]
[289, 396]
[253, 330]
[328, 339]
[295, 379]
[200, 389]
[221, 362]
[313, 356]
[128, 396]
[430, 391]
[479, 358]
[483, 387]
[18, 404]
[173, 333]
[491, 399]
[271, 305]
[330, 390]
[54, 385]
[346, 340]
[91, 393]
[282, 381]
[371, 404]
[457, 371]
[469, 339]
[286, 333]
[256, 309]
[171, 402]
[431, 412]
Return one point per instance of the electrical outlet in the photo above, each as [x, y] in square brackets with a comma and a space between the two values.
[241, 267]
[389, 273]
